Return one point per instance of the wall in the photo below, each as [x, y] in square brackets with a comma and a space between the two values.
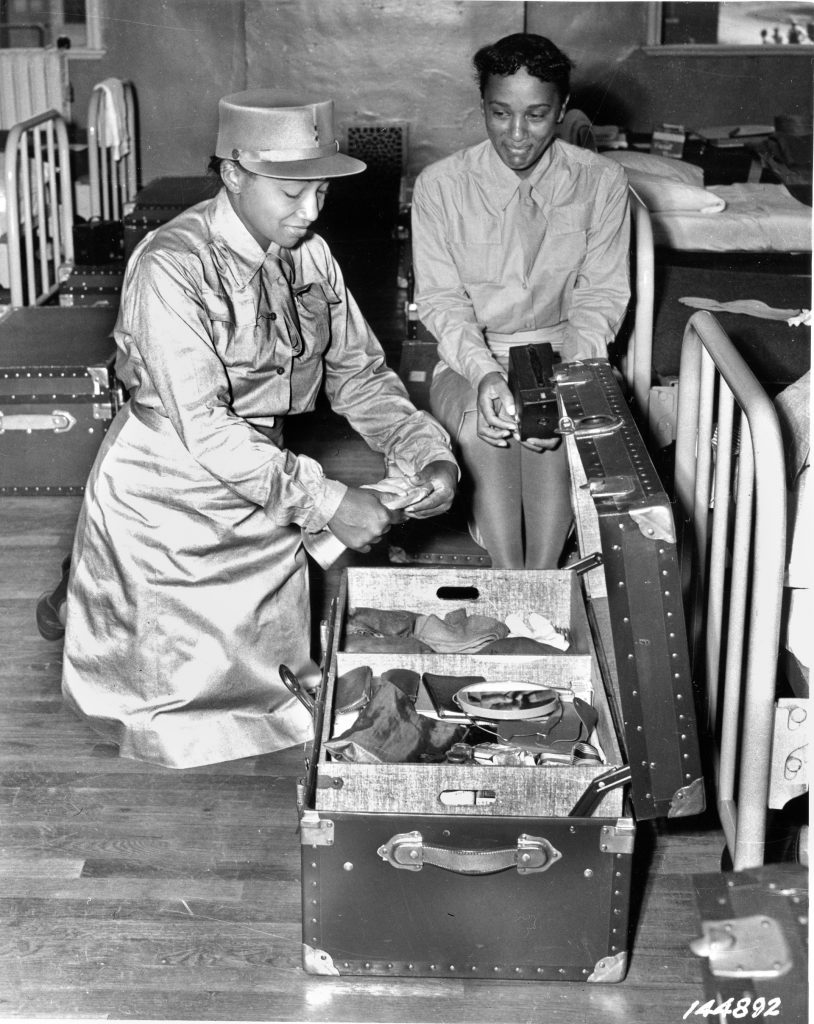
[382, 61]
[618, 82]
[181, 56]
[396, 60]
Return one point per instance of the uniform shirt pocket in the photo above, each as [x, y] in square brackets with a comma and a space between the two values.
[568, 230]
[315, 302]
[478, 251]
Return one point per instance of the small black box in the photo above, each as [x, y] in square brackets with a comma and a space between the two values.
[532, 385]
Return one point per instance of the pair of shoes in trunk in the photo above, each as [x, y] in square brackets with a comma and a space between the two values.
[48, 621]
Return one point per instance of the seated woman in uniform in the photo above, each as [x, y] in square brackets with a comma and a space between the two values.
[522, 238]
[188, 584]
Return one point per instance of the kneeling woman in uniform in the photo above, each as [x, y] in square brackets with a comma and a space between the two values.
[189, 584]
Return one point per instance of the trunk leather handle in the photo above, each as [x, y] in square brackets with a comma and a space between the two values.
[408, 852]
[59, 421]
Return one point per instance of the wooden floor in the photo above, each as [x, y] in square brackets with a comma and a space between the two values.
[132, 891]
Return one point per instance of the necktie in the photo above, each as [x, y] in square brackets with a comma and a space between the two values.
[531, 224]
[279, 271]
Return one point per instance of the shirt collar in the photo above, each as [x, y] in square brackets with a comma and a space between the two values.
[238, 250]
[506, 182]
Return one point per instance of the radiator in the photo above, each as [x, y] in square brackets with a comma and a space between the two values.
[32, 81]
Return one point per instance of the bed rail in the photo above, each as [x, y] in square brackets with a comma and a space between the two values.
[731, 491]
[40, 207]
[113, 174]
[638, 362]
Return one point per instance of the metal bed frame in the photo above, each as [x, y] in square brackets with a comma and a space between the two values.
[637, 364]
[731, 489]
[113, 183]
[40, 207]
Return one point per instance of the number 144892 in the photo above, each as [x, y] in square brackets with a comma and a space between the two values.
[739, 1009]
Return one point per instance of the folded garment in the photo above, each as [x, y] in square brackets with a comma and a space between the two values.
[459, 632]
[405, 679]
[353, 689]
[536, 627]
[362, 643]
[389, 731]
[379, 622]
[519, 645]
[747, 307]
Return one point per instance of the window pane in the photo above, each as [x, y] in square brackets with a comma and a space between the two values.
[775, 24]
[25, 23]
[738, 23]
[689, 23]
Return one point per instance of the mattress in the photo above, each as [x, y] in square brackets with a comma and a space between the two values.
[757, 218]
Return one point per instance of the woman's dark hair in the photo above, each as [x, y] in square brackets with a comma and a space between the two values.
[538, 55]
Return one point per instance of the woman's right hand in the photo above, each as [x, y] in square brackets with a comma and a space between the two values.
[497, 416]
[361, 520]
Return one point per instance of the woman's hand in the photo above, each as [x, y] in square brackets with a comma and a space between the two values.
[362, 520]
[441, 477]
[497, 416]
[541, 444]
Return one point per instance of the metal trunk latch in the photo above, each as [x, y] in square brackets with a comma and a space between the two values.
[316, 831]
[744, 947]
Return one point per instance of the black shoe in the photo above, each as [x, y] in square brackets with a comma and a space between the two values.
[48, 621]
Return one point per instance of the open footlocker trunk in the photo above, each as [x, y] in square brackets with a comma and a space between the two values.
[501, 871]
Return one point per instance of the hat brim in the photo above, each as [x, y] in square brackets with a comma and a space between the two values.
[337, 165]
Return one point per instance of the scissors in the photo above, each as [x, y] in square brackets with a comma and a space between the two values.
[293, 684]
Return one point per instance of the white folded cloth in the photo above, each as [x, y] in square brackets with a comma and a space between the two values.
[325, 547]
[748, 307]
[536, 627]
[114, 131]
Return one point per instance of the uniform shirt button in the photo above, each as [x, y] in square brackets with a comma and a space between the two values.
[272, 316]
[280, 369]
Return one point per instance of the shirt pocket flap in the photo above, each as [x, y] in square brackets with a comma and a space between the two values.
[313, 297]
[562, 220]
[217, 306]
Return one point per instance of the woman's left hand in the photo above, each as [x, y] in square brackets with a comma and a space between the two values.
[442, 479]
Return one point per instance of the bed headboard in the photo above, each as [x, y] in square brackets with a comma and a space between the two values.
[39, 201]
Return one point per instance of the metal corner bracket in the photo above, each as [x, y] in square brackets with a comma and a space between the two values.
[655, 522]
[618, 838]
[317, 961]
[688, 800]
[610, 969]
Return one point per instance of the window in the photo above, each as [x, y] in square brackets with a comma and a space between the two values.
[71, 24]
[782, 26]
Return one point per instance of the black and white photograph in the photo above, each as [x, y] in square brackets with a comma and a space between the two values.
[405, 532]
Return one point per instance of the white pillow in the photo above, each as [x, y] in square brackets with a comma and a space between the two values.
[660, 194]
[663, 166]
